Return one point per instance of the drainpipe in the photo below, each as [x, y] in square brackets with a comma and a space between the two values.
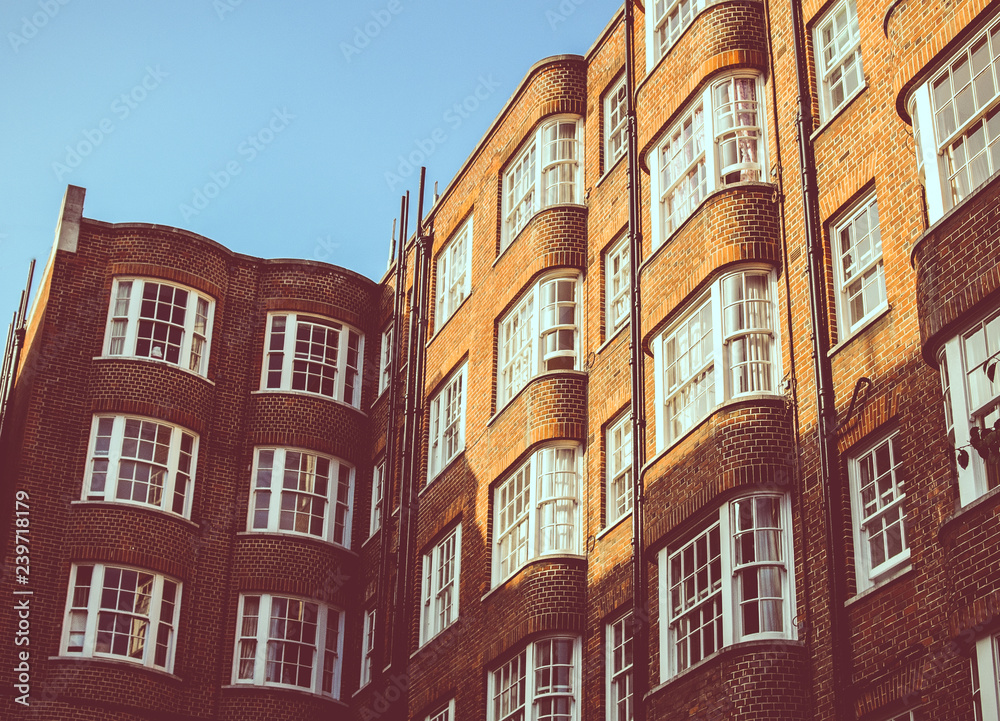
[840, 647]
[640, 616]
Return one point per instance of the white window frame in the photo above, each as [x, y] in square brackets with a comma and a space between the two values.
[443, 713]
[615, 123]
[267, 513]
[837, 46]
[525, 332]
[531, 521]
[886, 508]
[737, 353]
[618, 286]
[385, 360]
[866, 271]
[943, 137]
[514, 691]
[547, 171]
[728, 587]
[667, 21]
[985, 673]
[252, 658]
[619, 664]
[367, 647]
[970, 399]
[442, 567]
[710, 147]
[282, 371]
[82, 635]
[191, 334]
[618, 504]
[454, 273]
[447, 422]
[378, 497]
[107, 461]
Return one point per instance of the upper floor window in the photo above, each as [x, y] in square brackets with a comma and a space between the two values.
[619, 462]
[447, 426]
[615, 123]
[289, 642]
[439, 594]
[670, 18]
[143, 461]
[162, 321]
[619, 665]
[877, 495]
[296, 491]
[367, 647]
[957, 113]
[972, 400]
[445, 713]
[985, 671]
[837, 44]
[385, 360]
[540, 682]
[536, 510]
[617, 295]
[729, 331]
[121, 613]
[378, 491]
[453, 273]
[718, 141]
[729, 581]
[540, 334]
[547, 171]
[858, 267]
[314, 355]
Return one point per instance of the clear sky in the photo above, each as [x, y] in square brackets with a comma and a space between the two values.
[293, 116]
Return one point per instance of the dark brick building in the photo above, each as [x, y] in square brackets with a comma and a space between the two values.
[275, 489]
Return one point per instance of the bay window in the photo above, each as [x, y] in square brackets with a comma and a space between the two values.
[957, 113]
[717, 141]
[972, 399]
[536, 511]
[453, 273]
[723, 347]
[300, 492]
[119, 613]
[447, 422]
[313, 355]
[546, 172]
[141, 461]
[159, 321]
[289, 643]
[668, 20]
[540, 334]
[729, 581]
[541, 682]
[439, 594]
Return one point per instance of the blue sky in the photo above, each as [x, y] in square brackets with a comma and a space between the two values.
[296, 113]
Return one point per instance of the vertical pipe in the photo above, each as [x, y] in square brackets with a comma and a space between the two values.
[826, 404]
[640, 616]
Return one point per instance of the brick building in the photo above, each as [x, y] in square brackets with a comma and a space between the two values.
[450, 535]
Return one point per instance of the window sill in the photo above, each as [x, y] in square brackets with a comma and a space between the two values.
[438, 474]
[531, 381]
[313, 540]
[446, 320]
[610, 170]
[547, 558]
[865, 325]
[307, 394]
[154, 361]
[446, 636]
[138, 507]
[608, 529]
[120, 664]
[983, 502]
[530, 222]
[270, 688]
[740, 645]
[892, 576]
[614, 336]
[838, 112]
